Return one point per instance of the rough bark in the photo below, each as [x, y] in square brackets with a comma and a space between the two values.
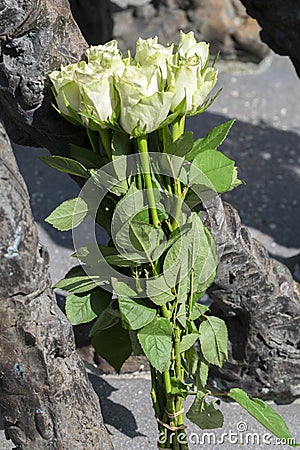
[260, 302]
[46, 399]
[37, 36]
[94, 19]
[280, 22]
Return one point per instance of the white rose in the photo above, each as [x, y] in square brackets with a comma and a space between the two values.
[106, 56]
[143, 107]
[100, 99]
[150, 53]
[65, 89]
[188, 78]
[196, 52]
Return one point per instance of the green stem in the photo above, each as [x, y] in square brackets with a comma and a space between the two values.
[143, 151]
[180, 376]
[155, 401]
[190, 300]
[174, 403]
[177, 131]
[165, 131]
[178, 206]
[165, 312]
[171, 407]
[154, 392]
[166, 139]
[177, 335]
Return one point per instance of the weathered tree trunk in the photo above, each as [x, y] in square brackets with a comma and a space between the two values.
[94, 19]
[37, 37]
[260, 302]
[280, 22]
[46, 399]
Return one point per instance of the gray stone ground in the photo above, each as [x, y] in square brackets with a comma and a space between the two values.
[128, 414]
[265, 142]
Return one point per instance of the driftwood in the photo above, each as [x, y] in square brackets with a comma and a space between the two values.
[254, 294]
[94, 19]
[46, 400]
[260, 302]
[280, 22]
[37, 36]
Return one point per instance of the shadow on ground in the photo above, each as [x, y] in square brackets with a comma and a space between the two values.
[114, 414]
[268, 161]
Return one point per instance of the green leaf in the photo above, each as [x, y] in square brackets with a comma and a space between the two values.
[183, 290]
[144, 214]
[202, 372]
[128, 208]
[93, 254]
[262, 412]
[162, 298]
[179, 388]
[193, 255]
[181, 256]
[106, 179]
[114, 345]
[122, 288]
[203, 308]
[134, 313]
[205, 264]
[105, 213]
[214, 340]
[235, 182]
[211, 141]
[204, 414]
[216, 167]
[196, 312]
[188, 341]
[100, 300]
[130, 260]
[68, 214]
[172, 238]
[86, 157]
[77, 281]
[136, 347]
[78, 309]
[192, 360]
[182, 145]
[66, 165]
[107, 319]
[156, 341]
[145, 237]
[120, 144]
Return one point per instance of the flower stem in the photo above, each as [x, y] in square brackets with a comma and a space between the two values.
[143, 151]
[177, 131]
[155, 401]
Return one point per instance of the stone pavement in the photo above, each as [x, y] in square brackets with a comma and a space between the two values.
[128, 414]
[265, 142]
